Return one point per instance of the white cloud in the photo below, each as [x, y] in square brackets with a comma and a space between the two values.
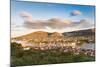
[76, 12]
[32, 23]
[27, 16]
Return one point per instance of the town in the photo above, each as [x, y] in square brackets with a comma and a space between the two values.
[64, 44]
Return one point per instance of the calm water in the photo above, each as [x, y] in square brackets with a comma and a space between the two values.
[88, 46]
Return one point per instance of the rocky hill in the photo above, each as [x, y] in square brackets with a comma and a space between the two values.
[42, 34]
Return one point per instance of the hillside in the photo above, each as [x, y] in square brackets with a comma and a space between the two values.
[42, 34]
[80, 32]
[38, 34]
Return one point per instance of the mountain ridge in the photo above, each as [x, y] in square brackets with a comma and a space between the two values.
[44, 34]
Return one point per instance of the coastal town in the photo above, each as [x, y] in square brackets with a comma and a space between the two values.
[58, 42]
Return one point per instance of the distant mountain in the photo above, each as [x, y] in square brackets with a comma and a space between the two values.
[42, 34]
[80, 32]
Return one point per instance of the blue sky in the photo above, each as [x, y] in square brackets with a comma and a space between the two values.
[47, 11]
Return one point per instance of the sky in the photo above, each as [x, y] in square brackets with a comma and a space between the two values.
[85, 2]
[27, 17]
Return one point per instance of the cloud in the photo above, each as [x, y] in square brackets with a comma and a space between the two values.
[57, 24]
[83, 23]
[54, 23]
[27, 16]
[76, 12]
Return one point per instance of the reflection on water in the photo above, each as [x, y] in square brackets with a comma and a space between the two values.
[88, 46]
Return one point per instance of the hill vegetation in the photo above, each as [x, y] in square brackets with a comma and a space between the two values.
[21, 57]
